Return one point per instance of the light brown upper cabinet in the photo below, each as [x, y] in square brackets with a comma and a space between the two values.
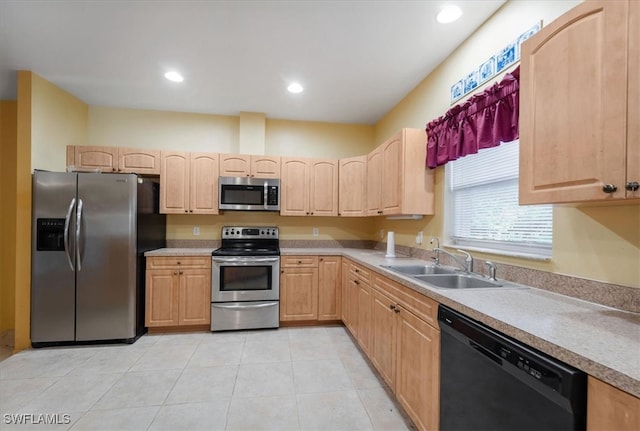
[114, 159]
[580, 106]
[352, 195]
[309, 187]
[189, 183]
[242, 165]
[398, 181]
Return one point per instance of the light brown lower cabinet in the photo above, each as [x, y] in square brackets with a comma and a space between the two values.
[397, 329]
[309, 288]
[610, 409]
[178, 291]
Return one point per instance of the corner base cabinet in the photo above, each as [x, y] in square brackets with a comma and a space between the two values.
[309, 288]
[178, 291]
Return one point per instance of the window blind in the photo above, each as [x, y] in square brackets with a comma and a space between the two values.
[484, 210]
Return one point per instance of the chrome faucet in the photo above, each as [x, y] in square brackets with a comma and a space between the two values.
[436, 249]
[466, 264]
[491, 269]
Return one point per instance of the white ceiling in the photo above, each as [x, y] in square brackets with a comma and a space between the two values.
[356, 59]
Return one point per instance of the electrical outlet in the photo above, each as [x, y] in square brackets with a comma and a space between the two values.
[315, 231]
[196, 230]
[419, 238]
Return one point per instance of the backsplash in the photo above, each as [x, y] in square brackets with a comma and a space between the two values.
[608, 294]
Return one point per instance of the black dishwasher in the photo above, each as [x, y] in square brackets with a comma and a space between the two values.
[489, 381]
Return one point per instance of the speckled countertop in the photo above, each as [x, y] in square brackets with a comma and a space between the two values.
[604, 342]
[179, 252]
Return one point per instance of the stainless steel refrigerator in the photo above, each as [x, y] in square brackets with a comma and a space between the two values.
[89, 235]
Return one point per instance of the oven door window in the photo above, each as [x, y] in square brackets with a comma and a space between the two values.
[242, 195]
[244, 278]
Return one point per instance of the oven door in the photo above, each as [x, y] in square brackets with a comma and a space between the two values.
[245, 278]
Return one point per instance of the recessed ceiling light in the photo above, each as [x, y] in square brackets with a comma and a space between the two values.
[174, 76]
[449, 13]
[295, 88]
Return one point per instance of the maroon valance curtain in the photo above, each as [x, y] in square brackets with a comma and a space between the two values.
[483, 121]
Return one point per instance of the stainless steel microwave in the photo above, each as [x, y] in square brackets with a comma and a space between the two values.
[249, 194]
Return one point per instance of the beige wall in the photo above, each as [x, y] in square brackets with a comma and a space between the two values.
[177, 131]
[8, 172]
[316, 139]
[600, 243]
[329, 228]
[58, 119]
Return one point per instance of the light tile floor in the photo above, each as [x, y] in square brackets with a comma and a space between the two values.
[286, 379]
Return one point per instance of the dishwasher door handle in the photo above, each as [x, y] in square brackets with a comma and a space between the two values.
[478, 348]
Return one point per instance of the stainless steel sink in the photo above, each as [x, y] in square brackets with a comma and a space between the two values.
[413, 270]
[456, 281]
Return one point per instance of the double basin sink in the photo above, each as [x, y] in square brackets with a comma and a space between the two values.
[438, 276]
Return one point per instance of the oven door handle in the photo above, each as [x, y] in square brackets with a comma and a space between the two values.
[246, 260]
[242, 306]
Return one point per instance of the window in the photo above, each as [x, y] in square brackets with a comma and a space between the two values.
[482, 206]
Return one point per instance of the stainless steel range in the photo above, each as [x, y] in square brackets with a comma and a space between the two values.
[245, 282]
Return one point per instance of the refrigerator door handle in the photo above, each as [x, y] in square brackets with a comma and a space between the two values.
[78, 221]
[67, 219]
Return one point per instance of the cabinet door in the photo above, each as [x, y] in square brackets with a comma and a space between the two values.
[392, 174]
[161, 302]
[204, 183]
[295, 187]
[299, 294]
[235, 165]
[633, 103]
[195, 297]
[609, 408]
[418, 370]
[374, 182]
[573, 106]
[363, 331]
[138, 161]
[323, 183]
[174, 182]
[383, 345]
[265, 167]
[346, 318]
[329, 295]
[352, 187]
[105, 159]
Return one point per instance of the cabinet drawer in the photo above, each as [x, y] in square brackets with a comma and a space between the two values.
[359, 272]
[423, 307]
[160, 262]
[299, 261]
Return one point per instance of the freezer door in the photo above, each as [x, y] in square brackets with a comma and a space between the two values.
[52, 276]
[106, 267]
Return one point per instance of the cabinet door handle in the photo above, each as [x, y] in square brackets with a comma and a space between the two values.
[392, 306]
[181, 272]
[356, 281]
[175, 272]
[609, 188]
[396, 310]
[299, 262]
[632, 186]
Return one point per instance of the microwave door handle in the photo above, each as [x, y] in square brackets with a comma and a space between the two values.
[78, 222]
[265, 196]
[67, 220]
